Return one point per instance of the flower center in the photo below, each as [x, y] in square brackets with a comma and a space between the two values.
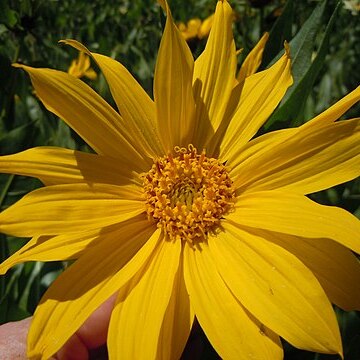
[188, 194]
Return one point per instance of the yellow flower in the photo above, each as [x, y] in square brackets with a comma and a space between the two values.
[190, 30]
[182, 214]
[205, 27]
[195, 28]
[81, 67]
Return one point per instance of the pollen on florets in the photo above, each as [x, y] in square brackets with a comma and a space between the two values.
[187, 194]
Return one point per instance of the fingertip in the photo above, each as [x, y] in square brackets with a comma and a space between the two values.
[74, 349]
[93, 333]
[13, 339]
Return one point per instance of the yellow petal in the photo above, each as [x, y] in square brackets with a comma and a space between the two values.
[253, 60]
[232, 331]
[297, 215]
[248, 157]
[177, 322]
[85, 112]
[134, 104]
[336, 267]
[63, 166]
[313, 159]
[70, 208]
[84, 61]
[85, 285]
[191, 29]
[68, 246]
[247, 150]
[90, 74]
[175, 106]
[277, 289]
[334, 112]
[260, 95]
[181, 26]
[81, 67]
[205, 26]
[253, 150]
[214, 75]
[72, 66]
[73, 70]
[139, 311]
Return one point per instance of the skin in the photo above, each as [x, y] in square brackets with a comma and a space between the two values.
[85, 344]
[88, 343]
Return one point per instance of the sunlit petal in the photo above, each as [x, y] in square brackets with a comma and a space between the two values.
[84, 286]
[68, 246]
[334, 112]
[232, 331]
[177, 322]
[310, 160]
[297, 215]
[70, 208]
[253, 60]
[336, 267]
[135, 324]
[214, 75]
[260, 95]
[84, 110]
[63, 166]
[175, 106]
[134, 104]
[277, 289]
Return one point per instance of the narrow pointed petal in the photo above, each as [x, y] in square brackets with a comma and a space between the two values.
[297, 215]
[261, 93]
[277, 289]
[85, 285]
[134, 104]
[70, 208]
[86, 113]
[255, 149]
[311, 160]
[54, 165]
[18, 258]
[232, 331]
[90, 74]
[135, 324]
[334, 112]
[175, 106]
[83, 62]
[253, 60]
[67, 246]
[212, 146]
[178, 320]
[336, 267]
[214, 75]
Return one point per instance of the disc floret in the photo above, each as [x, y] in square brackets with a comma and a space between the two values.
[187, 194]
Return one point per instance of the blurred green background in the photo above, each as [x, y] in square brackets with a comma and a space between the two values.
[325, 45]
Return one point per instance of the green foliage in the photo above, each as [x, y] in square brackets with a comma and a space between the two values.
[304, 68]
[323, 37]
[279, 33]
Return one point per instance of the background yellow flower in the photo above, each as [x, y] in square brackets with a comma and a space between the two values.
[82, 67]
[195, 28]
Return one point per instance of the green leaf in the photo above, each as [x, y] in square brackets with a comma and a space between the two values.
[302, 46]
[280, 32]
[31, 279]
[16, 313]
[7, 16]
[304, 69]
[14, 140]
